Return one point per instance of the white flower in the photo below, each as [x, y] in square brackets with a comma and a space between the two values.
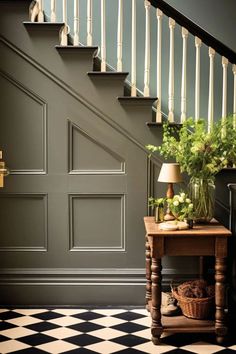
[176, 203]
[182, 195]
[181, 199]
[176, 196]
[188, 200]
[190, 206]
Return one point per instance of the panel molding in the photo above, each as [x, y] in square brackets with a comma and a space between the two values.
[43, 105]
[87, 276]
[71, 127]
[43, 196]
[72, 246]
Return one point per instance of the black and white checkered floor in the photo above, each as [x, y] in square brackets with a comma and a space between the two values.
[102, 331]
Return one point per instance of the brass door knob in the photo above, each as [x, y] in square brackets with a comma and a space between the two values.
[4, 171]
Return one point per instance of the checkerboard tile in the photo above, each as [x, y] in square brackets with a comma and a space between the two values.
[96, 331]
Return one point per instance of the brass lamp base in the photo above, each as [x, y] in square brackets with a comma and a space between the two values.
[169, 217]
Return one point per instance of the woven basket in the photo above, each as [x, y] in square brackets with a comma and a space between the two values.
[196, 308]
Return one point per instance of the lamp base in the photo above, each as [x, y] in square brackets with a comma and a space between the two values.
[169, 217]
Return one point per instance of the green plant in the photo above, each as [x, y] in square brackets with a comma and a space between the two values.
[200, 153]
[181, 206]
[159, 202]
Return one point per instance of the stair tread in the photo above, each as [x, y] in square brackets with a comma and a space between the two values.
[75, 47]
[43, 25]
[157, 124]
[137, 100]
[107, 75]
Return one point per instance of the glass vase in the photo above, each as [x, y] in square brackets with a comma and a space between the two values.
[202, 195]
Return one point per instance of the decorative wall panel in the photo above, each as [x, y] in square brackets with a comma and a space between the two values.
[104, 229]
[23, 220]
[22, 127]
[89, 156]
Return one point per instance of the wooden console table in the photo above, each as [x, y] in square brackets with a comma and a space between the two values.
[202, 240]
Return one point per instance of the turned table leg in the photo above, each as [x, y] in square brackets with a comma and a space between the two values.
[220, 278]
[148, 275]
[156, 328]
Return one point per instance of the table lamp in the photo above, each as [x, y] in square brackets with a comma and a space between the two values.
[170, 173]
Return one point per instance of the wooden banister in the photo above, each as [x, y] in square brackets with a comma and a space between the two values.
[195, 30]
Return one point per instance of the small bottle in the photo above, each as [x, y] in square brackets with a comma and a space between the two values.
[159, 213]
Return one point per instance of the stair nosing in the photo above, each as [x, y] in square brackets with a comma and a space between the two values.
[107, 74]
[137, 100]
[43, 25]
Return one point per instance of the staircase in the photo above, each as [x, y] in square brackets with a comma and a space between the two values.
[73, 133]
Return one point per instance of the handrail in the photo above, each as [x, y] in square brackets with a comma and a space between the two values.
[196, 30]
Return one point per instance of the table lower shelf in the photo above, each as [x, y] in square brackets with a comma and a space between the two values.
[184, 324]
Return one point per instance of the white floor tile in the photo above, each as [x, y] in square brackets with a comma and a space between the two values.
[203, 348]
[66, 321]
[57, 347]
[3, 310]
[107, 333]
[105, 347]
[109, 312]
[107, 321]
[24, 321]
[141, 312]
[144, 321]
[17, 332]
[233, 347]
[69, 312]
[61, 333]
[30, 312]
[145, 333]
[10, 346]
[150, 348]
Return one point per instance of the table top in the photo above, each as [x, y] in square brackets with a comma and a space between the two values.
[214, 229]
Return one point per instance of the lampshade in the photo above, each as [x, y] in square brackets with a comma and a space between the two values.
[170, 173]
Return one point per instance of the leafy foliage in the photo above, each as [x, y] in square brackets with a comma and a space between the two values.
[200, 153]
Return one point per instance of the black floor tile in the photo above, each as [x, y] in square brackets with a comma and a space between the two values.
[87, 316]
[130, 351]
[47, 315]
[3, 338]
[6, 325]
[36, 339]
[42, 326]
[129, 340]
[83, 340]
[129, 327]
[85, 327]
[31, 351]
[129, 316]
[9, 315]
[181, 339]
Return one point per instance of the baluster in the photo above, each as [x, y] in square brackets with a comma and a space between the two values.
[198, 44]
[53, 10]
[103, 35]
[234, 99]
[146, 90]
[224, 94]
[184, 73]
[120, 36]
[65, 29]
[89, 23]
[133, 51]
[76, 22]
[171, 72]
[211, 90]
[40, 13]
[159, 15]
